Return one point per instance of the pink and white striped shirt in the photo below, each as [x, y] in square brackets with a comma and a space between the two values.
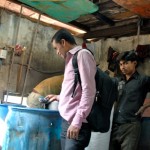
[76, 109]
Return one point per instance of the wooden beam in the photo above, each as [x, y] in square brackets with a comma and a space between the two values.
[118, 31]
[79, 25]
[117, 24]
[107, 5]
[103, 18]
[123, 15]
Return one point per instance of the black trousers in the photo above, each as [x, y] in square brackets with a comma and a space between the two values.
[125, 136]
[72, 144]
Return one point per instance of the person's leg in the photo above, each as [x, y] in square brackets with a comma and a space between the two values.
[130, 136]
[72, 144]
[114, 138]
[33, 100]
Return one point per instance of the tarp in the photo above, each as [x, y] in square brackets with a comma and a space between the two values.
[63, 10]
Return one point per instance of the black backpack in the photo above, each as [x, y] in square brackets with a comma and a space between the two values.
[106, 94]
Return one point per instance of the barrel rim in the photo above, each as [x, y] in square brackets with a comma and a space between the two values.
[28, 109]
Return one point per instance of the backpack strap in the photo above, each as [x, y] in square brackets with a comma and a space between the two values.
[76, 72]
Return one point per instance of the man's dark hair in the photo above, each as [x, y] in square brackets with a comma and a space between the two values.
[63, 34]
[128, 56]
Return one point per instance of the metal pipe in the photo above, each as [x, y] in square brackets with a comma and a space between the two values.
[19, 75]
[13, 54]
[138, 32]
[30, 57]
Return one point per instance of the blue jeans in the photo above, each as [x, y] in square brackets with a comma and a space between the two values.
[72, 144]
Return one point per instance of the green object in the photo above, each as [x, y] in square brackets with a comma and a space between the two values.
[63, 10]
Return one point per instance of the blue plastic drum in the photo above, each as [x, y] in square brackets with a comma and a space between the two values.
[4, 109]
[3, 114]
[32, 129]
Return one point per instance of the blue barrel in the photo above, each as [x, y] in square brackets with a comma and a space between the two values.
[4, 109]
[3, 114]
[144, 143]
[32, 129]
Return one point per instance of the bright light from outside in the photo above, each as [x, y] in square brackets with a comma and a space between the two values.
[15, 99]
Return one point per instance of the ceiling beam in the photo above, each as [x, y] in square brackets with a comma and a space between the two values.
[118, 31]
[79, 25]
[107, 5]
[117, 24]
[103, 18]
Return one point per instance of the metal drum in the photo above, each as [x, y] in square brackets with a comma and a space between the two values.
[32, 129]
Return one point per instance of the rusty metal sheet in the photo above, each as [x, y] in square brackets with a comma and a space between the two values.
[140, 7]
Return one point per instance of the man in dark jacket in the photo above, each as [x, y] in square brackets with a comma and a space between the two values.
[132, 88]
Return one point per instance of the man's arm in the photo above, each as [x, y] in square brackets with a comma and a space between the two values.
[87, 70]
[146, 105]
[142, 108]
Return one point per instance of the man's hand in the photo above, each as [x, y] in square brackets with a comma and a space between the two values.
[140, 111]
[51, 97]
[73, 132]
